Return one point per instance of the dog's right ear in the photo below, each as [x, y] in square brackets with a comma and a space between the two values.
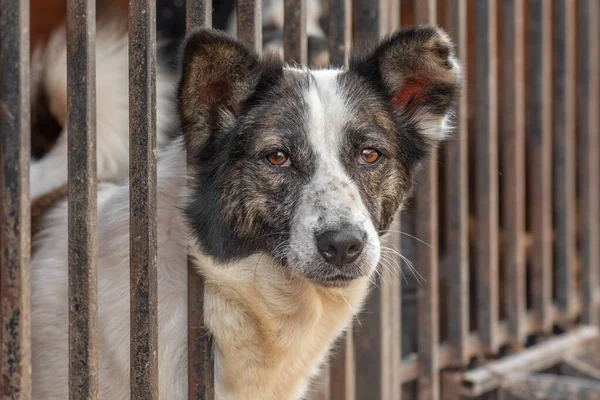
[218, 75]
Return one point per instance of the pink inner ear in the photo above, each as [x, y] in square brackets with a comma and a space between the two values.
[411, 91]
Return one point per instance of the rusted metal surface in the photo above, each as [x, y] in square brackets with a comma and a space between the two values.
[295, 44]
[513, 175]
[426, 261]
[539, 157]
[486, 82]
[589, 178]
[15, 334]
[249, 23]
[339, 31]
[200, 343]
[457, 200]
[83, 218]
[564, 152]
[142, 199]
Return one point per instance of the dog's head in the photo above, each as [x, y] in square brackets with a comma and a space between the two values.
[309, 167]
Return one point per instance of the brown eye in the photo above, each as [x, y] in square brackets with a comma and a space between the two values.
[369, 156]
[278, 159]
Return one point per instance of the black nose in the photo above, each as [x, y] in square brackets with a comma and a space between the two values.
[340, 246]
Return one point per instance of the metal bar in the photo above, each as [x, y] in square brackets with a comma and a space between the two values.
[198, 14]
[394, 15]
[377, 321]
[339, 31]
[426, 229]
[249, 23]
[366, 28]
[536, 358]
[342, 385]
[564, 152]
[457, 201]
[426, 204]
[391, 302]
[368, 347]
[539, 157]
[142, 199]
[83, 218]
[513, 177]
[295, 47]
[15, 293]
[320, 388]
[589, 178]
[200, 346]
[487, 171]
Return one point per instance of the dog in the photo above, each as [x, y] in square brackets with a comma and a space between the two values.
[293, 177]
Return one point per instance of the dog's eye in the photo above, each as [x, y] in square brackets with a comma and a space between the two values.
[278, 159]
[369, 156]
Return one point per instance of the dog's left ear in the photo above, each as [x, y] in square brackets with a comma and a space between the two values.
[418, 69]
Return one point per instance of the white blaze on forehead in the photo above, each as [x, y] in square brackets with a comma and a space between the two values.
[327, 113]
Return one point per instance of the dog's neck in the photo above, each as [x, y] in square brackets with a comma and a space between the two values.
[271, 331]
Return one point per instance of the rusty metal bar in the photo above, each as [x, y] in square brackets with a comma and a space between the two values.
[457, 200]
[564, 152]
[539, 157]
[295, 47]
[366, 28]
[142, 199]
[487, 171]
[200, 346]
[394, 15]
[15, 127]
[377, 340]
[426, 229]
[342, 385]
[513, 177]
[391, 308]
[249, 23]
[589, 178]
[339, 31]
[83, 215]
[198, 14]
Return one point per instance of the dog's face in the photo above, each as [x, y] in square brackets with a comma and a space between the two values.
[309, 167]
